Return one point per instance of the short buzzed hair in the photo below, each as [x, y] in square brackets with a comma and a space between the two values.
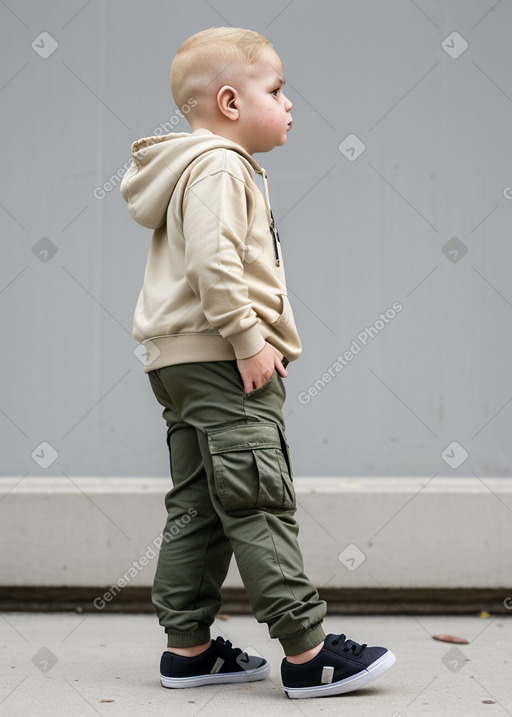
[217, 54]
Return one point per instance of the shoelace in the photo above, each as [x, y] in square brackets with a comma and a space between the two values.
[348, 645]
[227, 644]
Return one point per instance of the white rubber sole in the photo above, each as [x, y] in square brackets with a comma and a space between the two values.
[217, 678]
[349, 684]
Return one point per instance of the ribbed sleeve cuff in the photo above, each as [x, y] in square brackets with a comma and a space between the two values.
[247, 343]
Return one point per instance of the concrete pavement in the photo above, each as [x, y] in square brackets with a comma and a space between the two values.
[106, 664]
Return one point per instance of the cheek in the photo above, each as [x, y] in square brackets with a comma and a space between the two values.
[266, 115]
[269, 115]
[274, 112]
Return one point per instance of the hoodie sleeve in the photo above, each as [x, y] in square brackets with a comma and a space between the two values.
[215, 226]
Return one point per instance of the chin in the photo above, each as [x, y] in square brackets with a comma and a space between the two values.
[271, 144]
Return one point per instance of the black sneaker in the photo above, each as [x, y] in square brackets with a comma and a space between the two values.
[341, 666]
[220, 663]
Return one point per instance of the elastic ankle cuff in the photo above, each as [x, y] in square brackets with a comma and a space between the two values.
[179, 638]
[304, 640]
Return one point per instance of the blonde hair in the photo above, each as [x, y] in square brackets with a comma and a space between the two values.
[211, 58]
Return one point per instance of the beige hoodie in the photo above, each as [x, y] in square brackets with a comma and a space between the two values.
[214, 287]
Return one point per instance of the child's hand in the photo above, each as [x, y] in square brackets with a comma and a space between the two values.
[257, 370]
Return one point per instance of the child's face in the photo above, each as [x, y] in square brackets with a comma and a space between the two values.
[265, 115]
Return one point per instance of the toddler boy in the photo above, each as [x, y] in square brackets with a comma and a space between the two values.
[218, 329]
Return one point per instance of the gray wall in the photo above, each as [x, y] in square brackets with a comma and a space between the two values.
[359, 233]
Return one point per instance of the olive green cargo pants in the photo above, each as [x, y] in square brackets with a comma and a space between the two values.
[232, 493]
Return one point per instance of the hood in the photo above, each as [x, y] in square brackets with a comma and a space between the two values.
[158, 163]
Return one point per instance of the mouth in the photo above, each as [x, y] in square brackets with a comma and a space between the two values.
[289, 125]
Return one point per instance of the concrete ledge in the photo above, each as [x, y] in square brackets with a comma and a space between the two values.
[388, 534]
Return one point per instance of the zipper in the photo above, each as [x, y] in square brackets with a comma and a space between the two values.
[273, 228]
[277, 241]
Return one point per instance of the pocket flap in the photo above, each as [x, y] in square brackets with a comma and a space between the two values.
[243, 437]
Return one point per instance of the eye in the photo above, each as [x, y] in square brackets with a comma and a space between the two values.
[276, 91]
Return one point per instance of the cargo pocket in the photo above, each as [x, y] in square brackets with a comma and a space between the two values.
[251, 466]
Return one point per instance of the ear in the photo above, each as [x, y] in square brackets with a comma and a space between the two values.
[227, 101]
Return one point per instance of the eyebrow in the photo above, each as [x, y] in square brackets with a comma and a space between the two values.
[280, 80]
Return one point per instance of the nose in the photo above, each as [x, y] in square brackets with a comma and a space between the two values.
[288, 105]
